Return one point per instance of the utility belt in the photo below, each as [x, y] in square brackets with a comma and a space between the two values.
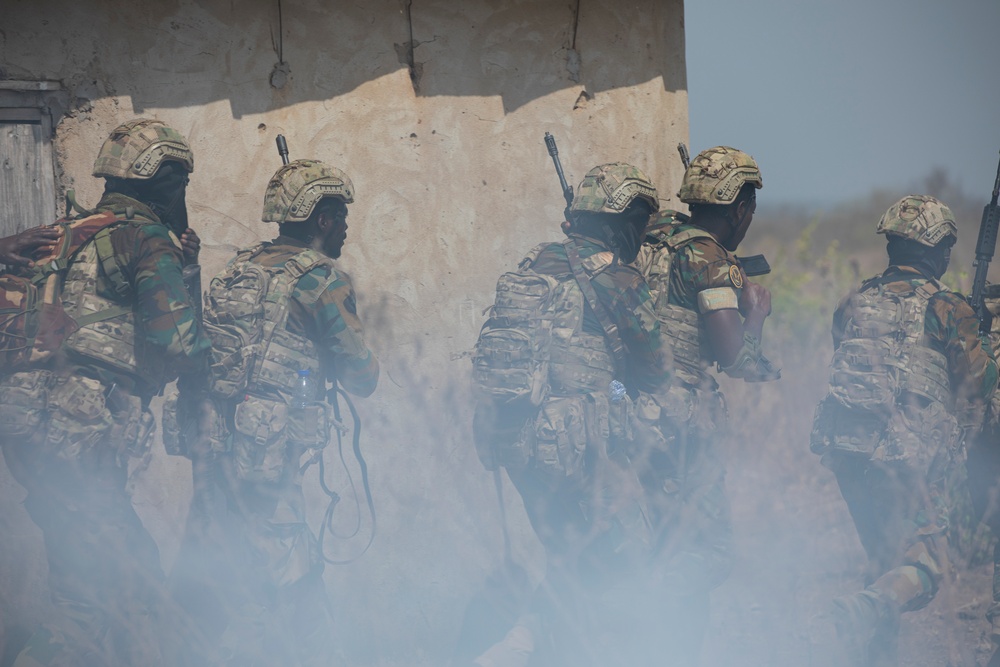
[263, 434]
[73, 416]
[561, 437]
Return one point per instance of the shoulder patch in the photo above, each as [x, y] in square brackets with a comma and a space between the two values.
[598, 261]
[736, 276]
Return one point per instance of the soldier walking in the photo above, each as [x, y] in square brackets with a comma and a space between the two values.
[910, 381]
[563, 431]
[74, 420]
[709, 313]
[284, 322]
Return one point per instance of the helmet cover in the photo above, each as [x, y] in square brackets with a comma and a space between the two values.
[136, 149]
[920, 218]
[717, 175]
[296, 188]
[611, 188]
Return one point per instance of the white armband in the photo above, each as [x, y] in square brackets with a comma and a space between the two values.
[717, 298]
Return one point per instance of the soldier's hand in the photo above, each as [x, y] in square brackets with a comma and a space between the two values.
[17, 250]
[190, 246]
[755, 301]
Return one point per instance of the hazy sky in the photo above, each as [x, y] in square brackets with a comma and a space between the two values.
[836, 97]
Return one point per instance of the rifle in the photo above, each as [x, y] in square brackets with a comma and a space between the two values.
[753, 265]
[567, 189]
[985, 247]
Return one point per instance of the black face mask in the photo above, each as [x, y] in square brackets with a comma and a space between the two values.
[626, 238]
[931, 262]
[164, 194]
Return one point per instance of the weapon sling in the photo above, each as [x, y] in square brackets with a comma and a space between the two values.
[600, 311]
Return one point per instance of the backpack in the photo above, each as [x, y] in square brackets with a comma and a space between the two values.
[33, 323]
[255, 361]
[510, 362]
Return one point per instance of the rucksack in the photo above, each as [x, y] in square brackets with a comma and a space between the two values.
[33, 323]
[245, 315]
[510, 363]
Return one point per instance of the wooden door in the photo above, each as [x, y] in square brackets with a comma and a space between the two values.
[27, 180]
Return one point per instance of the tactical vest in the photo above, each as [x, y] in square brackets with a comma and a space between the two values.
[895, 387]
[246, 317]
[95, 287]
[580, 362]
[681, 327]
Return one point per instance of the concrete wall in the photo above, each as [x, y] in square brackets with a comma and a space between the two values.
[436, 109]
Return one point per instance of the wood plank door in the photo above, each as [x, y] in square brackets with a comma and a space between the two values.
[27, 180]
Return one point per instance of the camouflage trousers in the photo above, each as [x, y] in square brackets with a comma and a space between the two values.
[66, 440]
[634, 589]
[902, 515]
[249, 573]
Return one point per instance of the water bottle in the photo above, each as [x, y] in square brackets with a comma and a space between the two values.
[616, 391]
[305, 390]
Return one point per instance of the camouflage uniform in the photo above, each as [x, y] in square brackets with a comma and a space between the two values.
[250, 570]
[577, 485]
[679, 431]
[92, 401]
[910, 381]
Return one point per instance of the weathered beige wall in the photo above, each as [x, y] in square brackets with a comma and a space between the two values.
[454, 185]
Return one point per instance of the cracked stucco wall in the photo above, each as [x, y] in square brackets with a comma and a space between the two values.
[436, 109]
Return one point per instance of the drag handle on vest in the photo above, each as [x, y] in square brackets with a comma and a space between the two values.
[567, 190]
[282, 148]
[985, 247]
[755, 265]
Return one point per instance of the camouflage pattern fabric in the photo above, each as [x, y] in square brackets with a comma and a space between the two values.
[296, 188]
[679, 432]
[610, 188]
[250, 570]
[920, 218]
[68, 429]
[626, 296]
[590, 516]
[324, 309]
[716, 176]
[136, 149]
[902, 506]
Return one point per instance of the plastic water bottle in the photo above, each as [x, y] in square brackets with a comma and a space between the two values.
[616, 391]
[305, 390]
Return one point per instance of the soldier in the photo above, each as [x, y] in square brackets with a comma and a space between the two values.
[709, 313]
[72, 422]
[283, 320]
[566, 456]
[909, 384]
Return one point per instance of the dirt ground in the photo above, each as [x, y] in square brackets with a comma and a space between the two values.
[797, 550]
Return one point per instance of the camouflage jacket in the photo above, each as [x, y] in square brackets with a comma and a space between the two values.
[695, 264]
[625, 295]
[149, 261]
[324, 310]
[951, 328]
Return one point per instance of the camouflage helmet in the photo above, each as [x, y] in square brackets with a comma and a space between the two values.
[920, 218]
[136, 149]
[294, 189]
[716, 176]
[610, 188]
